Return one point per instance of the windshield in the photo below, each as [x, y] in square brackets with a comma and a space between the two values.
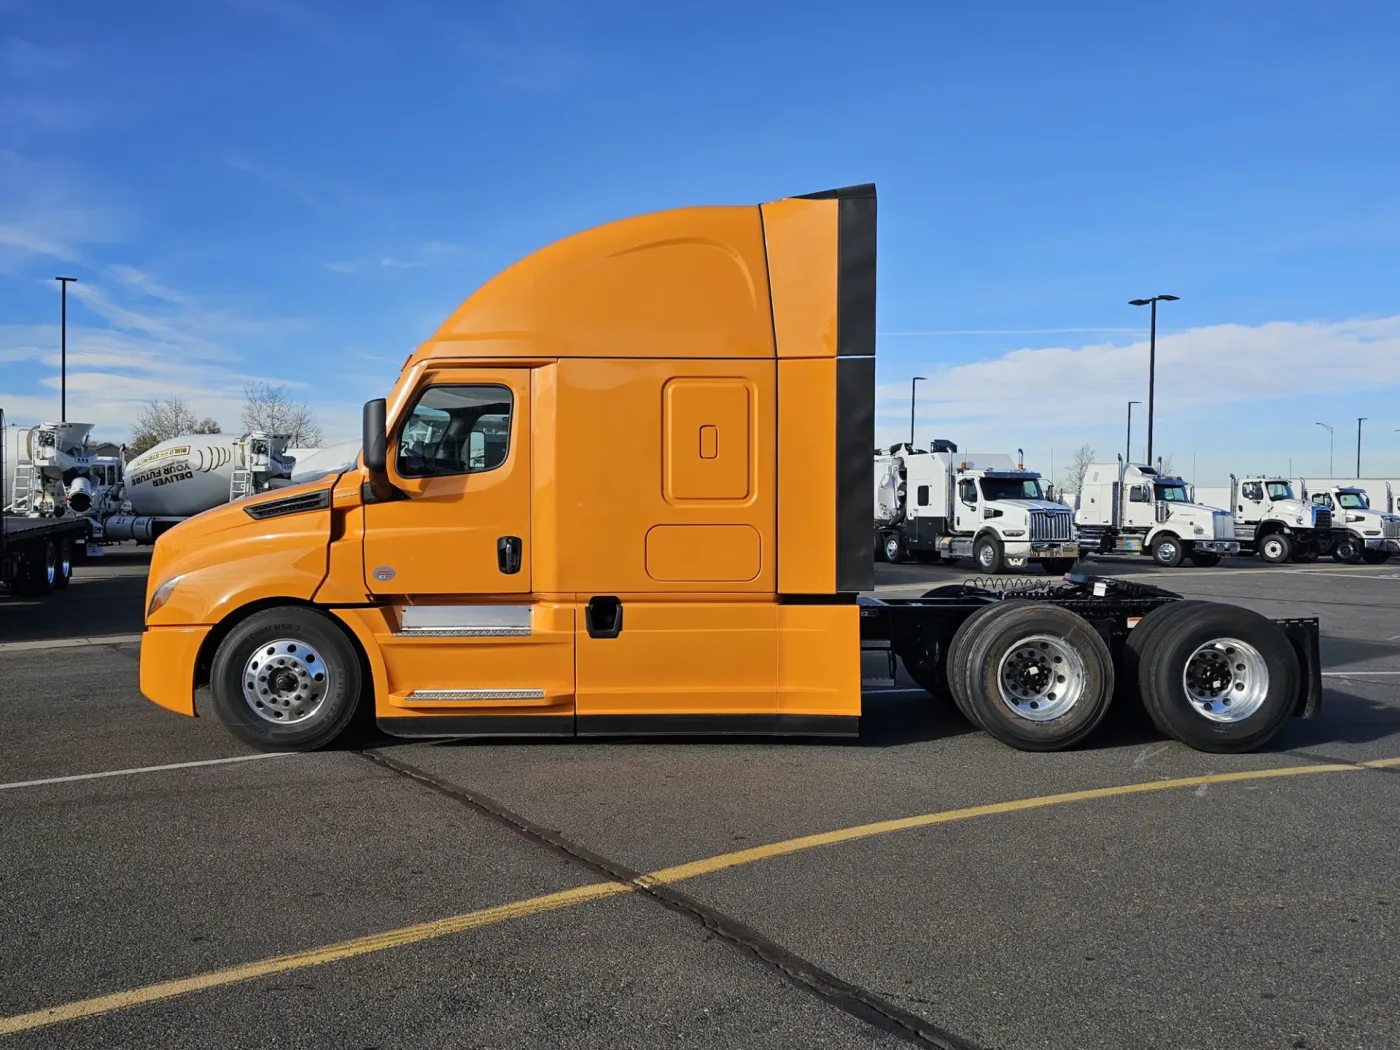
[1172, 493]
[1011, 488]
[1353, 500]
[1279, 490]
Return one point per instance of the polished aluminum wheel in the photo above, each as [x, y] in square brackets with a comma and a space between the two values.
[1041, 678]
[1226, 680]
[285, 681]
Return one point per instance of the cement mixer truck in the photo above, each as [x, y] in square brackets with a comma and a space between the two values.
[57, 473]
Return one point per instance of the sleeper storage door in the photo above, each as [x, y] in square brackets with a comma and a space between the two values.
[460, 454]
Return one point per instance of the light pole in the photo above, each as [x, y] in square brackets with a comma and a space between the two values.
[913, 389]
[63, 283]
[1128, 455]
[1331, 439]
[1152, 360]
[1359, 421]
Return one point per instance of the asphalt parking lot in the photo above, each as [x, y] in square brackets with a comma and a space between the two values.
[925, 885]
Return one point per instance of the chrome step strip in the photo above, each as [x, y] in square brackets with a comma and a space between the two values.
[464, 621]
[473, 695]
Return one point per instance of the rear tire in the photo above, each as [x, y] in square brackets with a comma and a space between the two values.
[1276, 548]
[41, 573]
[1305, 556]
[1059, 566]
[1167, 551]
[1035, 676]
[264, 686]
[64, 575]
[1204, 559]
[1347, 550]
[987, 555]
[1218, 678]
[957, 662]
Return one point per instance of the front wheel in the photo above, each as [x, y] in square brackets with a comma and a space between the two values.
[1347, 549]
[894, 548]
[1276, 548]
[1216, 677]
[987, 553]
[286, 679]
[1168, 552]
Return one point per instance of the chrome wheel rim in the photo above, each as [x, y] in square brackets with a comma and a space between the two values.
[1166, 550]
[986, 556]
[65, 564]
[1041, 678]
[1272, 548]
[1226, 680]
[50, 564]
[285, 682]
[892, 548]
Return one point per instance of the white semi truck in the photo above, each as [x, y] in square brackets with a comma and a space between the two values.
[940, 505]
[1272, 518]
[1128, 508]
[1360, 531]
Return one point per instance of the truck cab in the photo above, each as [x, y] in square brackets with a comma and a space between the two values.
[1273, 522]
[1132, 509]
[942, 505]
[1358, 533]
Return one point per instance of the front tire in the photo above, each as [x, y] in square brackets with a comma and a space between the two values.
[894, 548]
[1276, 548]
[1347, 550]
[1168, 551]
[286, 679]
[1371, 557]
[1218, 678]
[987, 555]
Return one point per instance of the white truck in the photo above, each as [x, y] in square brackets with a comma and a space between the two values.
[1360, 532]
[936, 504]
[55, 472]
[1272, 519]
[1131, 509]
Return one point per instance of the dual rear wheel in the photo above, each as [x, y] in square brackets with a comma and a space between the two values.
[1040, 678]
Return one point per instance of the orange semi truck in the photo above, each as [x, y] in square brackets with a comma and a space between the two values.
[624, 489]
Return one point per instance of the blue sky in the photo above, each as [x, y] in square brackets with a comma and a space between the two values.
[299, 191]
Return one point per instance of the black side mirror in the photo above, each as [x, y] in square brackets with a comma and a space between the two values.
[373, 438]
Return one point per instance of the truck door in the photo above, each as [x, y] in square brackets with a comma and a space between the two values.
[967, 512]
[460, 457]
[466, 649]
[1250, 506]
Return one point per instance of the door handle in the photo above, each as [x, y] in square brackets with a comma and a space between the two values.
[508, 551]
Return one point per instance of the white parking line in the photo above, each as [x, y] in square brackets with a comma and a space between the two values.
[143, 769]
[69, 643]
[1353, 674]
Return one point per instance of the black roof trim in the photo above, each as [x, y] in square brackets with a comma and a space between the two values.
[865, 189]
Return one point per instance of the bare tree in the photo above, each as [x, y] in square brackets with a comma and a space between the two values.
[165, 418]
[1078, 467]
[1168, 467]
[272, 409]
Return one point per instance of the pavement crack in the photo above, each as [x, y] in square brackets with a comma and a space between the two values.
[793, 969]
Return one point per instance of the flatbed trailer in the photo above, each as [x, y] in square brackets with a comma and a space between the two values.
[37, 553]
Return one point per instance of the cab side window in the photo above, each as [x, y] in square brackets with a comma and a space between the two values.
[1252, 491]
[455, 430]
[1324, 499]
[967, 490]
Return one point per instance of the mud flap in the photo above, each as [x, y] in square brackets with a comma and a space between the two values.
[1304, 636]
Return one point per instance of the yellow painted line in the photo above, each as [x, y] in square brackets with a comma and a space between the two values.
[427, 931]
[376, 942]
[884, 827]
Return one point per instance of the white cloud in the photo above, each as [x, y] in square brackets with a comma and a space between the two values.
[1199, 371]
[422, 255]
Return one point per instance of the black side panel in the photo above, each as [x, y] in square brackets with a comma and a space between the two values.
[855, 496]
[717, 725]
[479, 725]
[855, 287]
